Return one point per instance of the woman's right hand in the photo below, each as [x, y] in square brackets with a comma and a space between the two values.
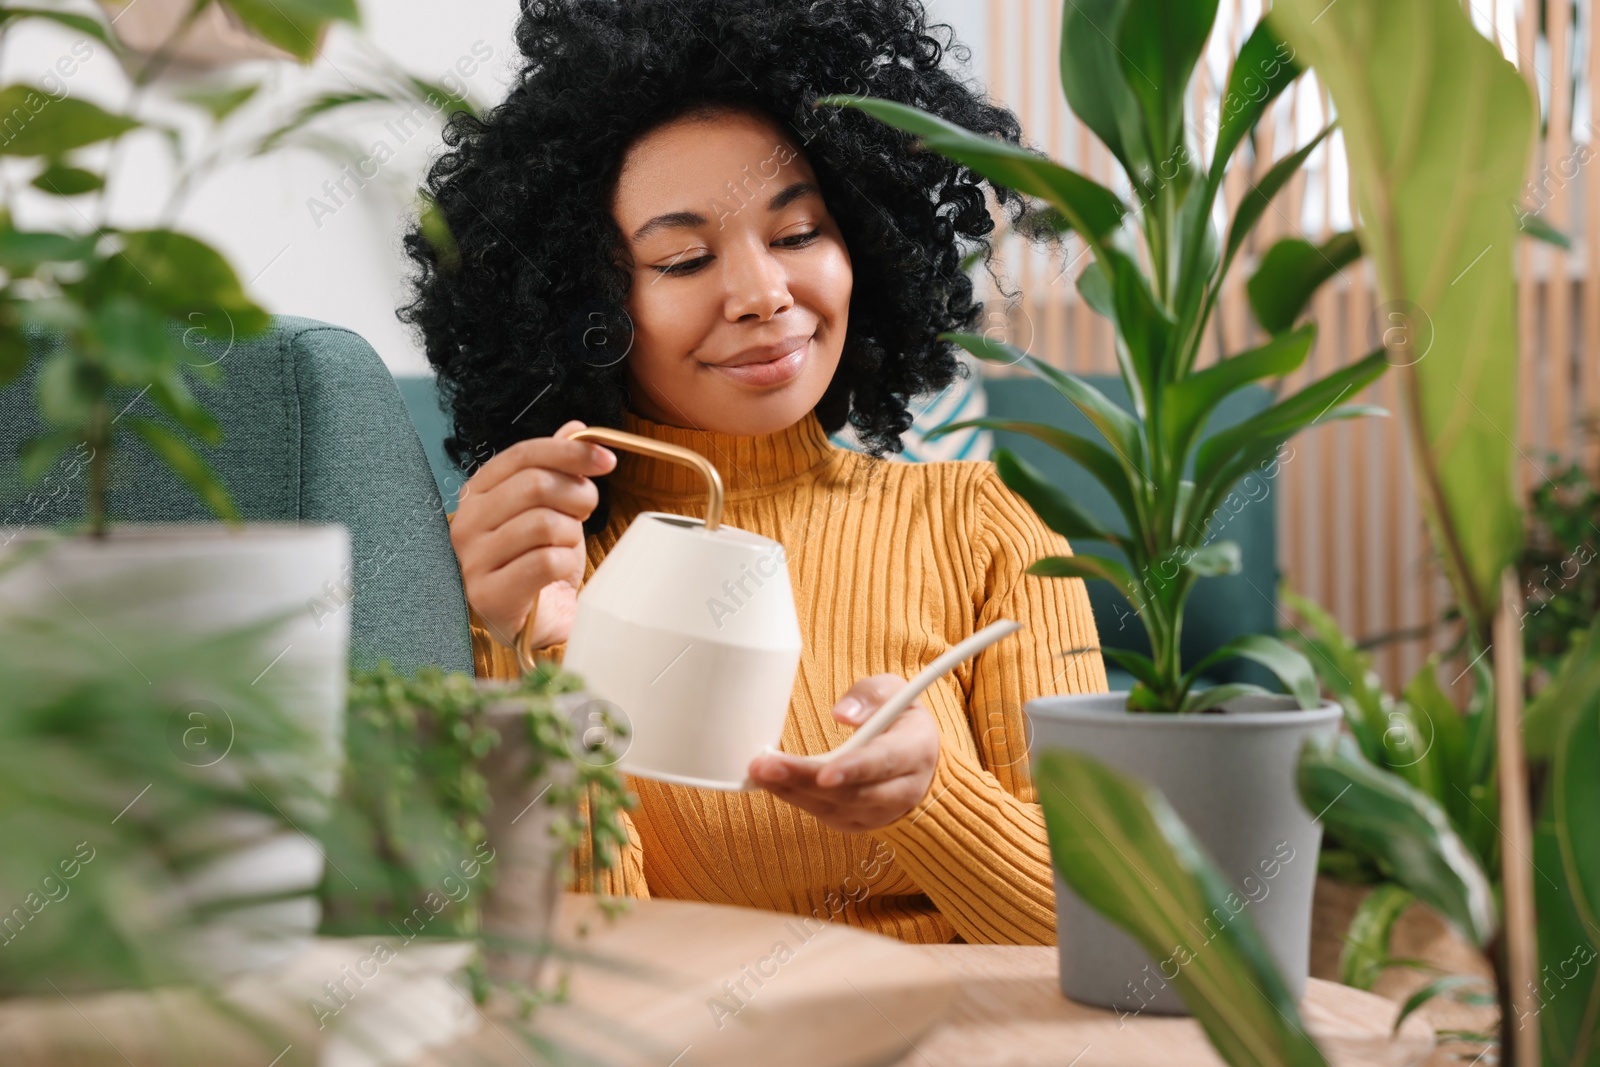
[518, 533]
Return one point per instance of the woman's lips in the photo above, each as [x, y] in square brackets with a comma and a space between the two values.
[774, 372]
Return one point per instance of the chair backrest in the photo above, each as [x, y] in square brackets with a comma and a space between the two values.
[1221, 608]
[315, 431]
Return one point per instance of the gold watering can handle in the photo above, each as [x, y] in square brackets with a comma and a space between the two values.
[648, 446]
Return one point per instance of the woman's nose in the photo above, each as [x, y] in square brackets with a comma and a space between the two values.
[758, 284]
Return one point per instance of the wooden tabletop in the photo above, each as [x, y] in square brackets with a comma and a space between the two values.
[697, 985]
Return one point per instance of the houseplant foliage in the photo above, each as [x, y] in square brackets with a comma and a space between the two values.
[413, 833]
[1158, 266]
[1126, 69]
[1435, 159]
[113, 764]
[1124, 850]
[138, 313]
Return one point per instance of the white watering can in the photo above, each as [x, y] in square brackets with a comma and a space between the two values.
[688, 627]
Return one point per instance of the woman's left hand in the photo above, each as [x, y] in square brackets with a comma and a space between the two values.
[871, 787]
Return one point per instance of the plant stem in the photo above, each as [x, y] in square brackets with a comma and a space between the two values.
[1516, 867]
[99, 438]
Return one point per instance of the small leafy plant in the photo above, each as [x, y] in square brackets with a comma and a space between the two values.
[127, 316]
[1165, 476]
[415, 798]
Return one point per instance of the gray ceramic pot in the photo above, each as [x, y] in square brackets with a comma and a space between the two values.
[1230, 777]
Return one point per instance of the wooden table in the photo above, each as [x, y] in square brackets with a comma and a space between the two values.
[714, 985]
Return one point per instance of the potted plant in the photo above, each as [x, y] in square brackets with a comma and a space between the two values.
[460, 804]
[1436, 225]
[130, 758]
[1222, 755]
[116, 325]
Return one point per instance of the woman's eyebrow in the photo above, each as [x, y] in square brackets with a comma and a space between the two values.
[689, 219]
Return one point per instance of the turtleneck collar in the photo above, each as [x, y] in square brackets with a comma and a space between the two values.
[744, 462]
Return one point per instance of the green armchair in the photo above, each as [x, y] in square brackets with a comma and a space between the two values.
[315, 431]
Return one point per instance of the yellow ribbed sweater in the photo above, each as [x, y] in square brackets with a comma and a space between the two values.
[891, 563]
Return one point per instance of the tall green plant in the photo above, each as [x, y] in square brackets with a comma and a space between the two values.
[121, 306]
[1126, 66]
[1437, 155]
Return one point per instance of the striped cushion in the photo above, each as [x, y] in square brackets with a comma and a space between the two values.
[959, 401]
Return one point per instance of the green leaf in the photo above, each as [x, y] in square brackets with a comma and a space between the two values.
[67, 388]
[1539, 228]
[220, 100]
[1366, 954]
[13, 353]
[1191, 400]
[1144, 331]
[37, 456]
[23, 253]
[182, 277]
[1256, 201]
[1055, 508]
[1217, 558]
[82, 23]
[1467, 988]
[1402, 829]
[1344, 670]
[440, 97]
[1094, 84]
[1102, 465]
[132, 339]
[1159, 42]
[58, 179]
[436, 231]
[1142, 667]
[1216, 696]
[1290, 665]
[1093, 210]
[188, 465]
[1442, 733]
[1081, 566]
[1577, 679]
[1568, 1020]
[44, 125]
[1290, 274]
[1574, 800]
[1095, 288]
[320, 105]
[1122, 849]
[1435, 157]
[1265, 67]
[1119, 428]
[1262, 434]
[295, 26]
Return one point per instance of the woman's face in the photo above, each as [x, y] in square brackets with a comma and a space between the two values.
[741, 278]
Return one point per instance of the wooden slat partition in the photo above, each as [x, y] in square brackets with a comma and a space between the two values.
[1350, 523]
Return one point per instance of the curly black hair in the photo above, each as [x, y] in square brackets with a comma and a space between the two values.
[519, 305]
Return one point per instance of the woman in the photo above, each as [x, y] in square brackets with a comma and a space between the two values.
[657, 232]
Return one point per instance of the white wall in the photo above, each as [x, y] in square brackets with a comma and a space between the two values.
[301, 250]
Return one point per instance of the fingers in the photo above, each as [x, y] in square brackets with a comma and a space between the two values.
[865, 697]
[898, 751]
[580, 459]
[536, 488]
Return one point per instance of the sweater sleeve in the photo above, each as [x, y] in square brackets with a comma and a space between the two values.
[492, 658]
[976, 842]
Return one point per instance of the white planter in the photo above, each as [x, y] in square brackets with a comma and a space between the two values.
[200, 579]
[1231, 779]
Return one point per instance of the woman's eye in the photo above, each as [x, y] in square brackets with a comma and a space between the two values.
[686, 267]
[798, 240]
